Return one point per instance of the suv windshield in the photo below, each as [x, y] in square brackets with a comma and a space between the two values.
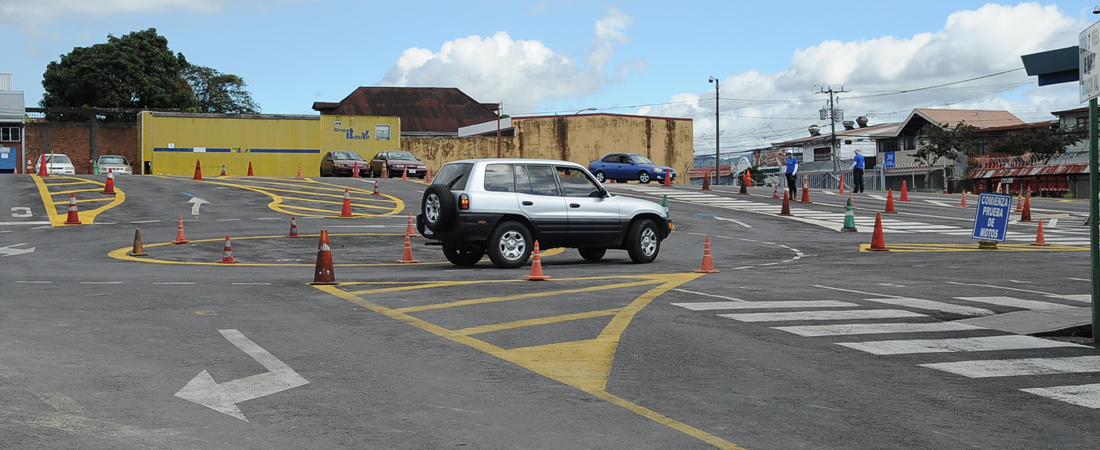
[453, 173]
[639, 159]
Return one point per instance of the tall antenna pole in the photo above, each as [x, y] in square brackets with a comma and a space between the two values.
[834, 145]
[717, 135]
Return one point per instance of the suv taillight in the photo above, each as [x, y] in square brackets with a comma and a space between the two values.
[464, 202]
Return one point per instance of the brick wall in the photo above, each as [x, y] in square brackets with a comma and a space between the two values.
[71, 139]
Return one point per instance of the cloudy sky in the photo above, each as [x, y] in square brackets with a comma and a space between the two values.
[562, 56]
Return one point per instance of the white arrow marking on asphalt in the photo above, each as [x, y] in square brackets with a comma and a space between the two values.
[734, 221]
[224, 397]
[20, 211]
[195, 202]
[11, 250]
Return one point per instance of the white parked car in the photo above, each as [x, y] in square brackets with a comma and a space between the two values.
[116, 163]
[58, 164]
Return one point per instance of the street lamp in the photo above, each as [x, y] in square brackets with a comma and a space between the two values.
[590, 108]
[717, 166]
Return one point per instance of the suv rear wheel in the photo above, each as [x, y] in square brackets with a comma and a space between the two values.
[510, 245]
[462, 257]
[642, 241]
[438, 207]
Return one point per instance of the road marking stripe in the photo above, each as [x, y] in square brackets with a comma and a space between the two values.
[506, 298]
[822, 315]
[1016, 303]
[100, 282]
[35, 282]
[1087, 395]
[144, 221]
[533, 322]
[175, 282]
[978, 344]
[709, 295]
[875, 328]
[250, 284]
[226, 220]
[709, 306]
[39, 222]
[1019, 367]
[933, 306]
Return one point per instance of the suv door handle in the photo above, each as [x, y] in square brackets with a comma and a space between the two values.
[574, 205]
[527, 203]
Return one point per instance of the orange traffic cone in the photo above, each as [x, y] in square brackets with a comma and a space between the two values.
[775, 194]
[805, 191]
[1039, 239]
[198, 171]
[1024, 216]
[227, 253]
[109, 188]
[223, 171]
[293, 228]
[428, 177]
[706, 180]
[42, 172]
[890, 202]
[407, 256]
[878, 243]
[668, 177]
[536, 266]
[138, 250]
[180, 238]
[405, 173]
[786, 206]
[355, 170]
[963, 203]
[376, 188]
[73, 218]
[411, 229]
[708, 264]
[323, 271]
[904, 192]
[346, 210]
[1020, 201]
[745, 181]
[385, 170]
[841, 192]
[851, 199]
[299, 171]
[250, 169]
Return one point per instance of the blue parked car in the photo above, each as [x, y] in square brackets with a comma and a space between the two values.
[623, 167]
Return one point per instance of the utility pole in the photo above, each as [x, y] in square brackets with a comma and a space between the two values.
[833, 117]
[717, 161]
[499, 107]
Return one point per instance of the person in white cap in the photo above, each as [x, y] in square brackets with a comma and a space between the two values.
[857, 173]
[792, 174]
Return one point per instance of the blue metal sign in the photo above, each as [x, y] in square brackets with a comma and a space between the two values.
[991, 217]
[888, 161]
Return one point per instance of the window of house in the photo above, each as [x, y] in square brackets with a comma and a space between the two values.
[1083, 121]
[822, 154]
[382, 132]
[887, 145]
[10, 134]
[910, 143]
[983, 146]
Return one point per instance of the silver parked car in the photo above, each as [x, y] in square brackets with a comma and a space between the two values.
[501, 206]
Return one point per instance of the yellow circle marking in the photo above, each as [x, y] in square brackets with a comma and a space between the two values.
[87, 216]
[278, 201]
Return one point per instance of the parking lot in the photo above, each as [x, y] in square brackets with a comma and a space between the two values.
[802, 340]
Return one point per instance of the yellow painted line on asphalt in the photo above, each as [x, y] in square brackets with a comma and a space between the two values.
[304, 186]
[87, 216]
[584, 364]
[77, 191]
[65, 201]
[534, 322]
[928, 248]
[507, 298]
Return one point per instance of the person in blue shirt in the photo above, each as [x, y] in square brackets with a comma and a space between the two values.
[792, 174]
[857, 173]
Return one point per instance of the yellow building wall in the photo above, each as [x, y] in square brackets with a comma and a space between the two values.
[275, 145]
[580, 139]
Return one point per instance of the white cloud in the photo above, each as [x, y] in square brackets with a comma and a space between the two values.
[517, 72]
[971, 44]
[28, 15]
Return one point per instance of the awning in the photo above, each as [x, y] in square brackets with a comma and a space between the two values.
[1030, 171]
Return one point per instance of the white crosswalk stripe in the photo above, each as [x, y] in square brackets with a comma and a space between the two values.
[1016, 303]
[1087, 395]
[875, 328]
[823, 315]
[978, 344]
[933, 305]
[710, 306]
[1019, 367]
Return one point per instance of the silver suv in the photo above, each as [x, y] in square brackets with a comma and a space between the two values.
[501, 206]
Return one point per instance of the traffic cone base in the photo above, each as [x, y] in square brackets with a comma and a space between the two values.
[139, 249]
[180, 238]
[878, 243]
[109, 188]
[708, 263]
[323, 273]
[293, 228]
[890, 202]
[1039, 239]
[227, 253]
[536, 266]
[407, 256]
[73, 218]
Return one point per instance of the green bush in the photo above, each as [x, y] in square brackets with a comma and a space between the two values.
[1068, 196]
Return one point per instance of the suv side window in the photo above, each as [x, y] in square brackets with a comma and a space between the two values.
[499, 178]
[449, 173]
[576, 184]
[537, 180]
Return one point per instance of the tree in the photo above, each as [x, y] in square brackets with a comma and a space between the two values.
[1041, 144]
[133, 71]
[217, 92]
[950, 143]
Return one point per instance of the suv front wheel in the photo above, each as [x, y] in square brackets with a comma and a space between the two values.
[510, 245]
[642, 241]
[462, 256]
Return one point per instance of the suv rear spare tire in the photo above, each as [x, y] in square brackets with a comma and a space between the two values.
[509, 245]
[438, 207]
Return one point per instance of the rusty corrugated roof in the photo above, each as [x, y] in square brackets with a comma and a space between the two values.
[421, 109]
